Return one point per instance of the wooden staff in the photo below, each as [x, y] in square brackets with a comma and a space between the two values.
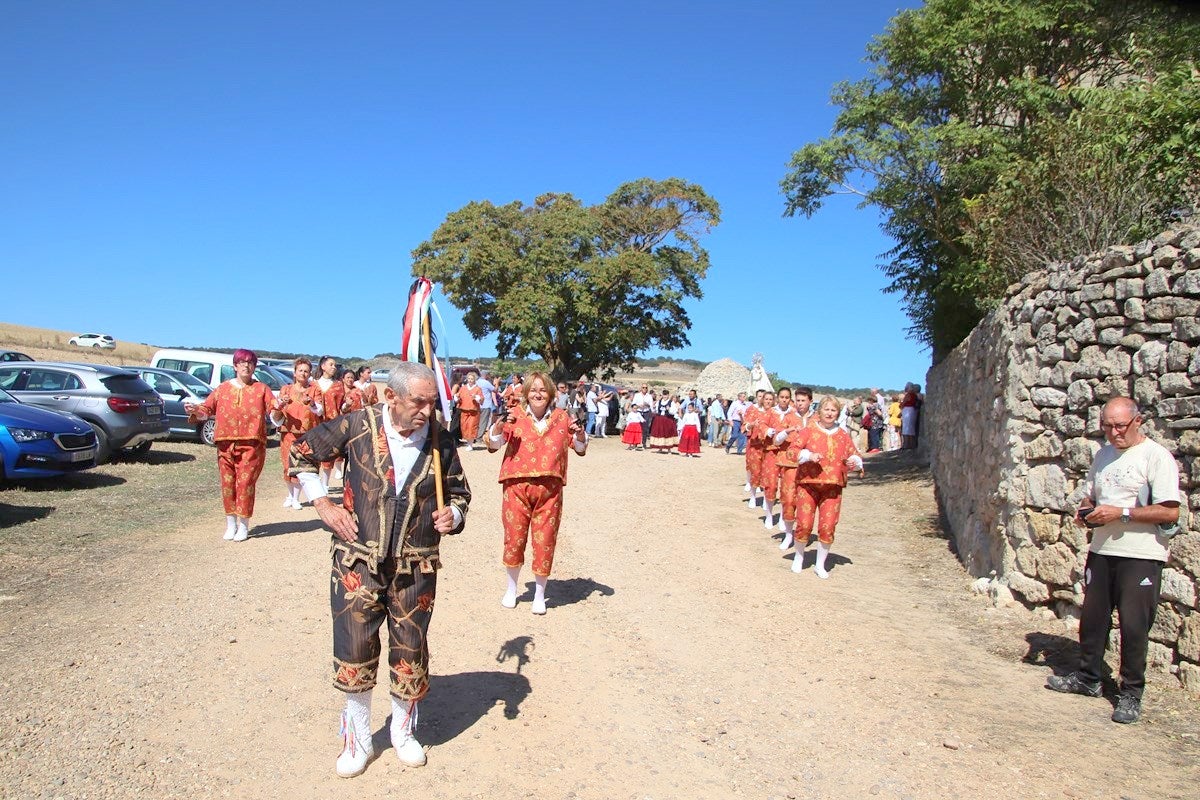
[437, 455]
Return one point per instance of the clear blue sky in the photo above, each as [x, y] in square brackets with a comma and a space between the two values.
[257, 173]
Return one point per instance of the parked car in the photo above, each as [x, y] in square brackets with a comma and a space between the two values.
[380, 375]
[13, 355]
[38, 443]
[102, 340]
[176, 388]
[286, 372]
[123, 411]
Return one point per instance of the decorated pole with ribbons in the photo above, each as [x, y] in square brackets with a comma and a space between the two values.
[418, 345]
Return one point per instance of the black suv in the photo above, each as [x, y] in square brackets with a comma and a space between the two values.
[122, 409]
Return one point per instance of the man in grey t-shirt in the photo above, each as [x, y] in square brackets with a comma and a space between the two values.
[1131, 507]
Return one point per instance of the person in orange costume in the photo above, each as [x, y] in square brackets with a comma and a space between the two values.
[370, 394]
[326, 380]
[827, 454]
[297, 411]
[754, 451]
[786, 462]
[514, 393]
[470, 398]
[777, 422]
[241, 406]
[341, 397]
[533, 473]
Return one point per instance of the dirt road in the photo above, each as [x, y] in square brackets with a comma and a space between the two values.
[680, 658]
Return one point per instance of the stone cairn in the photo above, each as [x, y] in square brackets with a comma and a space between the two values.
[1012, 422]
[725, 377]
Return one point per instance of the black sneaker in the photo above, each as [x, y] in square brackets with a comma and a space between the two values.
[1073, 684]
[1129, 709]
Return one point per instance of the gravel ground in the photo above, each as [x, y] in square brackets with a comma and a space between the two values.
[680, 656]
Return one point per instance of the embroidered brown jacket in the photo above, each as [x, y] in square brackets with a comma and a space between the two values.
[389, 525]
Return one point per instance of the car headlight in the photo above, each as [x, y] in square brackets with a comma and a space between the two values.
[28, 434]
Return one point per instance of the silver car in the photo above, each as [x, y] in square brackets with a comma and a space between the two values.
[124, 412]
[177, 387]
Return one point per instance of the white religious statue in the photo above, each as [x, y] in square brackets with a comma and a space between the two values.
[758, 376]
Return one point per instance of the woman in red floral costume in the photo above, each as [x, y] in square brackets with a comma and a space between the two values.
[297, 411]
[240, 405]
[533, 472]
[826, 455]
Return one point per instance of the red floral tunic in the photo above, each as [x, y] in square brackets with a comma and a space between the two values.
[530, 454]
[241, 411]
[834, 448]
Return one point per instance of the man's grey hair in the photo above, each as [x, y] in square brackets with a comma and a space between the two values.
[405, 373]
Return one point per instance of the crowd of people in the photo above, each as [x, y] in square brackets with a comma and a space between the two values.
[403, 487]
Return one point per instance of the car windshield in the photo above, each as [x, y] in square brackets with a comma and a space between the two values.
[266, 376]
[5, 397]
[198, 387]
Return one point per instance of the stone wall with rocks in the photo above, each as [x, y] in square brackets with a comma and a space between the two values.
[1012, 421]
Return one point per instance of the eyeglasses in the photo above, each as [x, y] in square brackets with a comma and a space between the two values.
[1118, 427]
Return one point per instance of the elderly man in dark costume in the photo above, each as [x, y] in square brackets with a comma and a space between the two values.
[385, 549]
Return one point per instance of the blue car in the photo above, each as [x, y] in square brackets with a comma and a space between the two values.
[39, 443]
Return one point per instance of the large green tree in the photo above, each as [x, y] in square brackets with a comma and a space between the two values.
[998, 135]
[586, 288]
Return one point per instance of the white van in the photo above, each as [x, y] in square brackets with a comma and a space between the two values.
[211, 368]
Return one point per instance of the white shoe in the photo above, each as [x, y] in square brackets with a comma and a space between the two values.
[538, 607]
[296, 504]
[356, 749]
[751, 504]
[787, 541]
[798, 561]
[230, 532]
[769, 521]
[746, 488]
[509, 600]
[820, 573]
[242, 533]
[287, 501]
[410, 752]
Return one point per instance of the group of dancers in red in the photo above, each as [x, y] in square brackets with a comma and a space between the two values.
[798, 456]
[242, 406]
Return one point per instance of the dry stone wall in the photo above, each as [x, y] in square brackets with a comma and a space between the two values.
[1012, 421]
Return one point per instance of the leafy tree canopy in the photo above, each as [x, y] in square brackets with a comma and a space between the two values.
[999, 135]
[585, 288]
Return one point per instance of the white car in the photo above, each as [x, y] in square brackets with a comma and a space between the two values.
[94, 340]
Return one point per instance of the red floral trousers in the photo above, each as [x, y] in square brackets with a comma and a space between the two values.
[239, 463]
[813, 500]
[531, 506]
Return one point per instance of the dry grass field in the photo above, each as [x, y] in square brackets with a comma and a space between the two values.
[44, 344]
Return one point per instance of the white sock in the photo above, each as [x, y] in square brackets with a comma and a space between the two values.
[295, 493]
[404, 717]
[510, 594]
[358, 715]
[230, 524]
[539, 594]
[769, 507]
[789, 527]
[325, 478]
[822, 551]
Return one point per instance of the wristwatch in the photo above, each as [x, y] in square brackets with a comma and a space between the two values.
[1125, 514]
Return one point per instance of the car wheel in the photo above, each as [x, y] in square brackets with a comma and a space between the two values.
[95, 345]
[208, 432]
[137, 450]
[102, 450]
